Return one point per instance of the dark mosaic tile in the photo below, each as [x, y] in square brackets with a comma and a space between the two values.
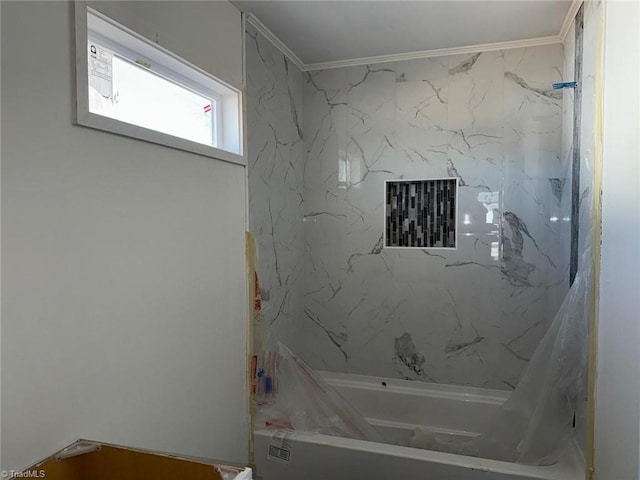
[421, 213]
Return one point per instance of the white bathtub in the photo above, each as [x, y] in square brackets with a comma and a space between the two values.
[396, 410]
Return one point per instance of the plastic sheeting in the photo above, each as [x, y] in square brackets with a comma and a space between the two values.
[536, 422]
[294, 396]
[533, 426]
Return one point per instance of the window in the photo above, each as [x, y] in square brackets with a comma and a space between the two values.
[127, 84]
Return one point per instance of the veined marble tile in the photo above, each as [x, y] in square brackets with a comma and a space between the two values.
[275, 171]
[469, 316]
[475, 92]
[422, 105]
[472, 315]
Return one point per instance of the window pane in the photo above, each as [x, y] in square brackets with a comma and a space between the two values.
[142, 98]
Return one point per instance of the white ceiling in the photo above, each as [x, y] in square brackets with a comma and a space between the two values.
[328, 31]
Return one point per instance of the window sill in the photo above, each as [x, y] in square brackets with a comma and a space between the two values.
[99, 122]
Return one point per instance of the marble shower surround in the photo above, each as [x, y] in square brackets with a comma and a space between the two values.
[471, 316]
[275, 177]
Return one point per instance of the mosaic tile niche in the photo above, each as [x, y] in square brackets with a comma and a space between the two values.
[421, 213]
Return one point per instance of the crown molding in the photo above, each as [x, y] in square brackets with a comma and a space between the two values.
[568, 20]
[279, 44]
[487, 47]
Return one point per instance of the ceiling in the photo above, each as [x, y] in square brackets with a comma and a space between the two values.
[329, 31]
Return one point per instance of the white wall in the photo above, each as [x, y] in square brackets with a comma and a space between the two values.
[123, 302]
[618, 384]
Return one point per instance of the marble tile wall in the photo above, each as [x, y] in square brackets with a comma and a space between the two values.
[332, 292]
[592, 25]
[469, 316]
[275, 178]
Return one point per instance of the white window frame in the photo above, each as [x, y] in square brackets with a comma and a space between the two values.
[133, 47]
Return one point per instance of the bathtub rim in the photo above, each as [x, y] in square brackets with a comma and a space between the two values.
[570, 464]
[416, 387]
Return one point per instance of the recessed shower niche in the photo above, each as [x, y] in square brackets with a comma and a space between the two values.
[421, 213]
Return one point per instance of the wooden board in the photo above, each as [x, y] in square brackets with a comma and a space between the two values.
[120, 463]
[256, 334]
[596, 222]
